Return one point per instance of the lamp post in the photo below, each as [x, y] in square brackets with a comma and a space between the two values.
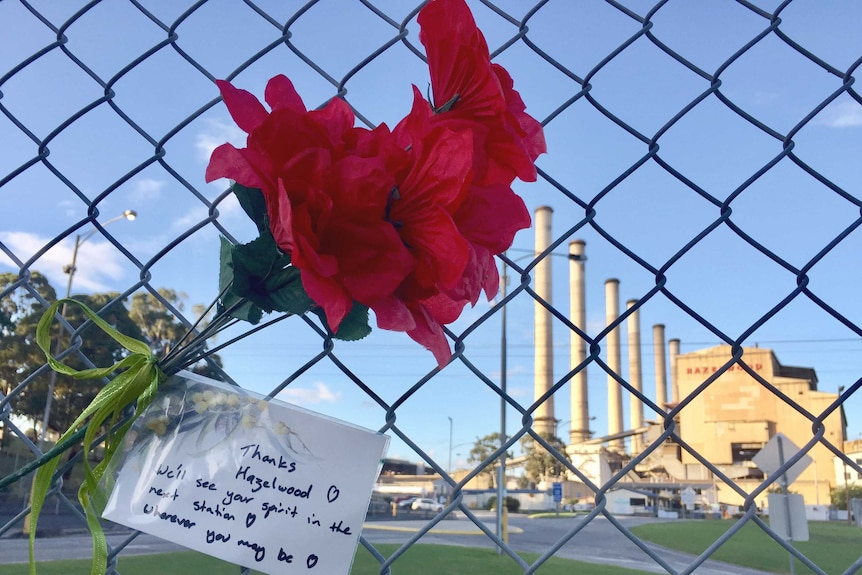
[71, 269]
[502, 531]
[501, 477]
[449, 468]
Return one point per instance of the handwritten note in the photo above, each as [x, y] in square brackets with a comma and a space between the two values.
[260, 484]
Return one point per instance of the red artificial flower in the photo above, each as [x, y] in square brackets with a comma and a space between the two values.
[326, 186]
[406, 222]
[428, 194]
[468, 88]
[488, 218]
[468, 224]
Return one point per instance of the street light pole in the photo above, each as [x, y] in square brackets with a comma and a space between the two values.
[501, 479]
[52, 381]
[449, 468]
[502, 531]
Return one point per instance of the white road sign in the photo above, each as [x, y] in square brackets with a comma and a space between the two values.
[778, 450]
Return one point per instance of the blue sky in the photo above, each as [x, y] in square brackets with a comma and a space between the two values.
[102, 158]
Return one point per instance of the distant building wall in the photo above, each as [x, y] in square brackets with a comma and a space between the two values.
[846, 474]
[734, 417]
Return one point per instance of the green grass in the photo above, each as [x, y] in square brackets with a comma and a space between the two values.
[554, 515]
[418, 560]
[833, 546]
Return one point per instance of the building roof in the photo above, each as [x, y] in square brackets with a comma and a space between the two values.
[805, 373]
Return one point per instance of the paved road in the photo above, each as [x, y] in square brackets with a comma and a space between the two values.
[599, 542]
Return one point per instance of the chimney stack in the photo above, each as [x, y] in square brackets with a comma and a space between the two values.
[673, 349]
[544, 422]
[660, 365]
[615, 399]
[580, 427]
[636, 408]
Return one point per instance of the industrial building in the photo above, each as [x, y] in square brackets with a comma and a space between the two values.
[731, 407]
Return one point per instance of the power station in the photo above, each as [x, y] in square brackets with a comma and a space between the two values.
[732, 408]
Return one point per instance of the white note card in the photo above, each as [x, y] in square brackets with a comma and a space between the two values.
[262, 484]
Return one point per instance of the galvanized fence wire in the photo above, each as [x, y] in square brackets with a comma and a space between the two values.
[400, 25]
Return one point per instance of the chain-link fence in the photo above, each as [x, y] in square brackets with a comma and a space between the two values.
[708, 153]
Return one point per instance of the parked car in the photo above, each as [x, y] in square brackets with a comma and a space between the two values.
[426, 505]
[406, 503]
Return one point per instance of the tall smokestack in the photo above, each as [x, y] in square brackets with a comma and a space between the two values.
[636, 407]
[673, 351]
[544, 421]
[660, 365]
[615, 399]
[580, 429]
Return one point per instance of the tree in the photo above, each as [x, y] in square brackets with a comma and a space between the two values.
[17, 352]
[839, 495]
[161, 327]
[20, 357]
[482, 449]
[540, 463]
[512, 504]
[93, 346]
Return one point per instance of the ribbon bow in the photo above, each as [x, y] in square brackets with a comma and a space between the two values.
[136, 382]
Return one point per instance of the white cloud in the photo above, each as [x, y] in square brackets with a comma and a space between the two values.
[511, 371]
[69, 208]
[305, 396]
[218, 133]
[190, 218]
[97, 265]
[844, 114]
[762, 98]
[227, 209]
[518, 391]
[148, 189]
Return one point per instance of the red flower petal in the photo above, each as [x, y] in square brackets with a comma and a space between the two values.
[429, 333]
[393, 314]
[468, 88]
[491, 215]
[281, 95]
[279, 211]
[243, 166]
[329, 295]
[531, 131]
[458, 58]
[244, 108]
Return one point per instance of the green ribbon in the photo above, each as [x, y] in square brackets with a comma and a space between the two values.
[137, 381]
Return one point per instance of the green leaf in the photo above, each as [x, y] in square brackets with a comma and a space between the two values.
[247, 311]
[225, 271]
[255, 260]
[286, 293]
[136, 384]
[262, 274]
[252, 202]
[354, 326]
